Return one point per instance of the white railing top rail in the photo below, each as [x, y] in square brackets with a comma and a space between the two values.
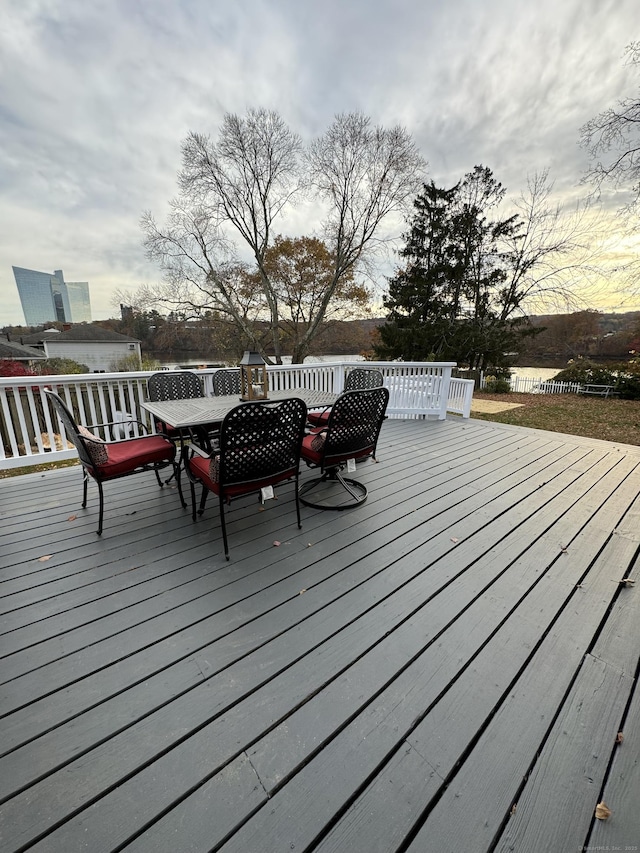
[32, 434]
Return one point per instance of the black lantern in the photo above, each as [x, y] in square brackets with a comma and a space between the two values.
[253, 377]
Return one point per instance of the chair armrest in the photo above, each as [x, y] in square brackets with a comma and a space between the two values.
[200, 451]
[143, 427]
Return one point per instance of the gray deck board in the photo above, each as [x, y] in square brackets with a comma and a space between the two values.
[394, 677]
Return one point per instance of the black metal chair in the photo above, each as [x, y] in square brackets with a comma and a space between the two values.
[174, 385]
[259, 446]
[357, 379]
[226, 381]
[109, 460]
[351, 433]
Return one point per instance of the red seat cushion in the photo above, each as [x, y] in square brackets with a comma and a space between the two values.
[319, 418]
[201, 468]
[126, 456]
[312, 446]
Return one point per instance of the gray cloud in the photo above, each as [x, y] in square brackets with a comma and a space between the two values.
[96, 98]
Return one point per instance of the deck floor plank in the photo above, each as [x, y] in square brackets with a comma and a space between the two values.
[386, 678]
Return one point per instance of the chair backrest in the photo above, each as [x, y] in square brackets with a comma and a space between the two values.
[361, 377]
[174, 385]
[70, 428]
[260, 440]
[354, 425]
[226, 381]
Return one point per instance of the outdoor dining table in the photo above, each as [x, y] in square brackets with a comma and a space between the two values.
[202, 411]
[200, 414]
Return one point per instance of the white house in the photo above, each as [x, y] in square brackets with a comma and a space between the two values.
[100, 349]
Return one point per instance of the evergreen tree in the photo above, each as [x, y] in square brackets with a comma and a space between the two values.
[447, 303]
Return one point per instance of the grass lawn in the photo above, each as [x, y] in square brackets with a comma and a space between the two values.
[594, 417]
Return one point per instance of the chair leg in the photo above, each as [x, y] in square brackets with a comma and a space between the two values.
[224, 528]
[85, 482]
[101, 508]
[193, 500]
[203, 500]
[179, 484]
[182, 459]
[297, 488]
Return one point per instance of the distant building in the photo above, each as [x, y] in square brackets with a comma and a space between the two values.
[15, 351]
[100, 349]
[47, 297]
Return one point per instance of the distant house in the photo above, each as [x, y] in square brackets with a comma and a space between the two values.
[17, 352]
[100, 349]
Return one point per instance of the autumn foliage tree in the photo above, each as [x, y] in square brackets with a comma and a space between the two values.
[301, 273]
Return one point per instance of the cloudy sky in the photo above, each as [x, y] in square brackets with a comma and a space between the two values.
[96, 97]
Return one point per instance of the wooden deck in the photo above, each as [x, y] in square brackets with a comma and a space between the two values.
[445, 668]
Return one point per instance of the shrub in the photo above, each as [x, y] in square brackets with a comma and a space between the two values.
[624, 376]
[497, 384]
[9, 367]
[60, 367]
[586, 371]
[131, 364]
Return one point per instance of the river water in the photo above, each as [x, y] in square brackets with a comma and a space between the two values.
[191, 363]
[544, 373]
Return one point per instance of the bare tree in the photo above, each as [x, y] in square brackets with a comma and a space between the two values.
[362, 174]
[613, 140]
[552, 253]
[246, 180]
[238, 186]
[202, 273]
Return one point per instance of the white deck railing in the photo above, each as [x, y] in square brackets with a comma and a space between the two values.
[529, 385]
[32, 434]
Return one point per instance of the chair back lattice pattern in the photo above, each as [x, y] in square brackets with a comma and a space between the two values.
[354, 424]
[174, 385]
[259, 440]
[226, 382]
[70, 428]
[360, 378]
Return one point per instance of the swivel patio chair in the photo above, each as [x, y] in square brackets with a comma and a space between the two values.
[351, 433]
[111, 460]
[357, 379]
[259, 447]
[226, 381]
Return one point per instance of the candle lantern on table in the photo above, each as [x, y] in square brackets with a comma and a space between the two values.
[253, 377]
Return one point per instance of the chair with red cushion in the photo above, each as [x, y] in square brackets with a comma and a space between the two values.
[174, 385]
[357, 379]
[110, 460]
[351, 433]
[226, 381]
[259, 447]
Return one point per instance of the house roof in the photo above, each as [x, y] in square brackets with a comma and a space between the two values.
[18, 352]
[82, 332]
